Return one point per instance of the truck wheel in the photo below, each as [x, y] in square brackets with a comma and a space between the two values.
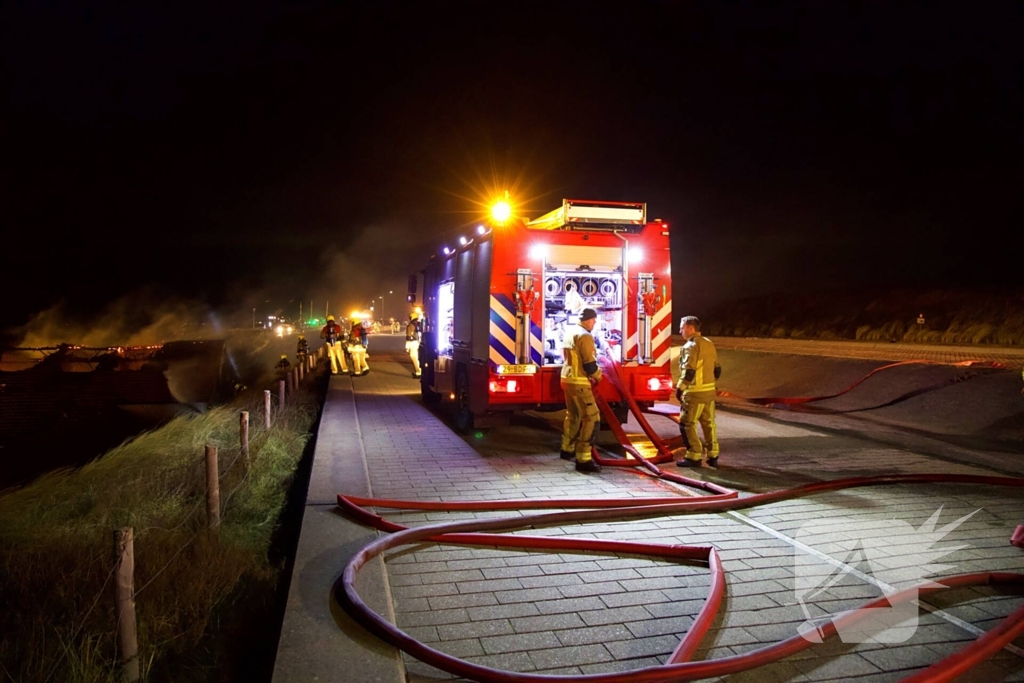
[463, 415]
[429, 396]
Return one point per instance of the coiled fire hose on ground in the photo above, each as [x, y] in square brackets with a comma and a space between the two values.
[678, 666]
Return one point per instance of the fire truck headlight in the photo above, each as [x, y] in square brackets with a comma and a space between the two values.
[636, 255]
[501, 211]
[538, 252]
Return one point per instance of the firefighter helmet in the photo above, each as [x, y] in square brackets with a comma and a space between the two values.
[284, 355]
[330, 318]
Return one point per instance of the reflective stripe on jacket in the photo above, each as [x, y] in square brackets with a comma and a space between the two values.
[698, 354]
[578, 349]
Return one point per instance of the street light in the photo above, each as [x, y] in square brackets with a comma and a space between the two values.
[381, 307]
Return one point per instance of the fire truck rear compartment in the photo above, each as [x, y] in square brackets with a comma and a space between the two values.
[583, 277]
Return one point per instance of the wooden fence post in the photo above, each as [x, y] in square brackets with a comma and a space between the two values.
[289, 383]
[212, 488]
[243, 436]
[280, 396]
[124, 596]
[302, 371]
[266, 408]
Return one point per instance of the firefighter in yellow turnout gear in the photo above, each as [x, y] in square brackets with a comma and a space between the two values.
[698, 370]
[332, 336]
[579, 375]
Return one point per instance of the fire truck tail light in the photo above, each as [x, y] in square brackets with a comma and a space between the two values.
[658, 383]
[502, 385]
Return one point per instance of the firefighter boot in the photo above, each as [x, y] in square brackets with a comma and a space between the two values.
[566, 455]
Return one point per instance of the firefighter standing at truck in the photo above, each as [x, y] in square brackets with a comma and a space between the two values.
[579, 375]
[413, 330]
[698, 370]
[331, 333]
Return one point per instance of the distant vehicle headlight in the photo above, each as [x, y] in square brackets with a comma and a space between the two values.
[280, 330]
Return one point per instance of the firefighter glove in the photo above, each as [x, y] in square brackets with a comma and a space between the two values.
[679, 394]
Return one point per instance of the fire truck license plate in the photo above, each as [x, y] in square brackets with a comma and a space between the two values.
[516, 369]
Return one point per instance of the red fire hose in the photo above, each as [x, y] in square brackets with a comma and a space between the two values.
[678, 666]
[797, 400]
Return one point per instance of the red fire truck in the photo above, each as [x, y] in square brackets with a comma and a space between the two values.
[497, 302]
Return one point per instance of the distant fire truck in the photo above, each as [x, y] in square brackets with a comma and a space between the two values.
[497, 303]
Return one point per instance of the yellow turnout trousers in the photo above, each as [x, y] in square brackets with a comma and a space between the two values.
[582, 420]
[413, 349]
[358, 353]
[337, 356]
[698, 406]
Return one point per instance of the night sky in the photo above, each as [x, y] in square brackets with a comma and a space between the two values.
[253, 155]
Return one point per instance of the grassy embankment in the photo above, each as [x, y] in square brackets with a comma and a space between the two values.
[951, 317]
[198, 595]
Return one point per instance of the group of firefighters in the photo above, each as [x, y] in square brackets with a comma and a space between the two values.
[345, 348]
[342, 347]
[695, 391]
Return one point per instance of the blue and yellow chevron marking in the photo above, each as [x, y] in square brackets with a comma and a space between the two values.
[503, 333]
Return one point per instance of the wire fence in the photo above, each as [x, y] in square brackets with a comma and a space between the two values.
[239, 471]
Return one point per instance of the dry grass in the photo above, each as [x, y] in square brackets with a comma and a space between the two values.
[56, 544]
[951, 317]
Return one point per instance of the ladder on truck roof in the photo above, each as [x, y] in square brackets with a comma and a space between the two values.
[583, 214]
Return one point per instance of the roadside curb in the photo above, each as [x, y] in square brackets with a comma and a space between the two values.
[318, 639]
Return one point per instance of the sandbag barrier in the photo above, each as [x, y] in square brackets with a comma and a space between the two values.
[678, 667]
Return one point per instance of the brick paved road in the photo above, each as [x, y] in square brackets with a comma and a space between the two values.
[561, 613]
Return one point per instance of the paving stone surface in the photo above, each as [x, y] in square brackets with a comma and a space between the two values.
[550, 612]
